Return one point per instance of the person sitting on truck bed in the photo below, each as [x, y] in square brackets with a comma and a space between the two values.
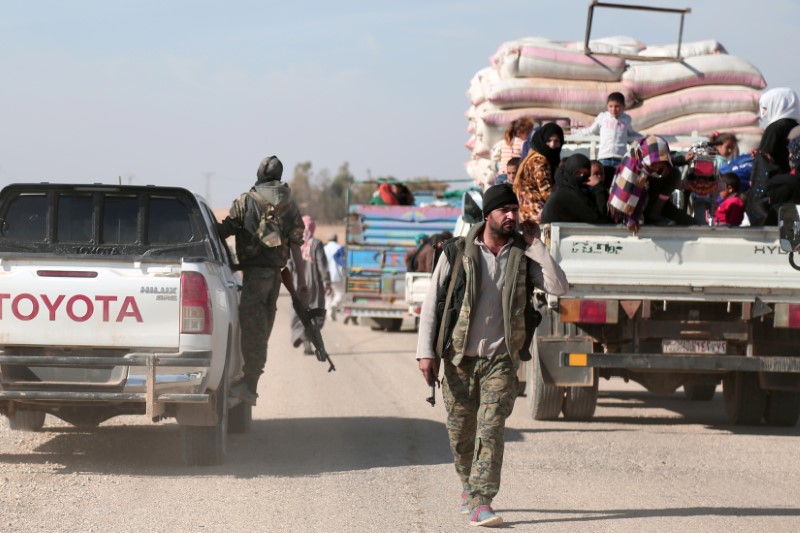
[534, 179]
[780, 107]
[573, 199]
[731, 211]
[642, 186]
[511, 172]
[261, 265]
[785, 188]
[420, 259]
[392, 193]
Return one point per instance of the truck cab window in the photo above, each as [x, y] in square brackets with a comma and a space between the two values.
[120, 220]
[169, 221]
[75, 215]
[26, 218]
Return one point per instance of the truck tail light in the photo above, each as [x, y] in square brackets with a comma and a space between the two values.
[195, 304]
[787, 315]
[589, 311]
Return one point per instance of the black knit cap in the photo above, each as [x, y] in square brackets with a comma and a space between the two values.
[498, 196]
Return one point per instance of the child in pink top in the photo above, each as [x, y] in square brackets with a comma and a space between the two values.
[731, 211]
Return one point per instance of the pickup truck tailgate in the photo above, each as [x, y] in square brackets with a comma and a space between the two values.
[677, 262]
[103, 303]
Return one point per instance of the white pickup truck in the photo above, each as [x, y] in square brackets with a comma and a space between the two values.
[670, 307]
[118, 300]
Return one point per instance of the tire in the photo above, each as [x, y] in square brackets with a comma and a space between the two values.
[580, 403]
[544, 400]
[26, 420]
[240, 418]
[783, 408]
[744, 399]
[699, 393]
[205, 445]
[388, 324]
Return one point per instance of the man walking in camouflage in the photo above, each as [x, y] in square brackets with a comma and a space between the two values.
[262, 260]
[480, 331]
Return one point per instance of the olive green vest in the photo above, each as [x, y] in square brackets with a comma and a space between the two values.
[513, 295]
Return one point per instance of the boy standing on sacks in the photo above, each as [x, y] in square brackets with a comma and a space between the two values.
[615, 130]
[481, 289]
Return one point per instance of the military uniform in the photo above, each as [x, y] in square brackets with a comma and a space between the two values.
[483, 335]
[261, 266]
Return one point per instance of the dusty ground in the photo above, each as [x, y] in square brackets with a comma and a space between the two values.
[360, 450]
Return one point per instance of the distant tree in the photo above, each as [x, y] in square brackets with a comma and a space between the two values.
[301, 185]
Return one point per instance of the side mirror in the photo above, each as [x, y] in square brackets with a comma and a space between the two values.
[472, 210]
[789, 227]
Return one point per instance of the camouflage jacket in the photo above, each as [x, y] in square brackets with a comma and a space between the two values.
[244, 219]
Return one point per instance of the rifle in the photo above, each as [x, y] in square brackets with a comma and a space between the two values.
[307, 317]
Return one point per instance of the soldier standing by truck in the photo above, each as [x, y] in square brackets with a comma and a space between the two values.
[268, 228]
[482, 284]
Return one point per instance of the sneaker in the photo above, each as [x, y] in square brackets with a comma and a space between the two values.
[307, 348]
[243, 392]
[464, 509]
[484, 516]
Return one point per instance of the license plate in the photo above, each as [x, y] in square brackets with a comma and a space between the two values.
[688, 346]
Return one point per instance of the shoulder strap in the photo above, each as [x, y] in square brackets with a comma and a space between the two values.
[455, 270]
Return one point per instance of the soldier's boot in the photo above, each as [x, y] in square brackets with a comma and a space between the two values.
[245, 390]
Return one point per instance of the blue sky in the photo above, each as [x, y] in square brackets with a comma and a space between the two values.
[165, 92]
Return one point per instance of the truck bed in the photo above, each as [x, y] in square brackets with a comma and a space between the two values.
[675, 263]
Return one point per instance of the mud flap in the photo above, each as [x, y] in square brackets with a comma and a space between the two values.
[553, 373]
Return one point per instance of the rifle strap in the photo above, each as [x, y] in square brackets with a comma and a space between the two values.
[454, 272]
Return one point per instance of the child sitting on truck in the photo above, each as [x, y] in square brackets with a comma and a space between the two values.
[731, 211]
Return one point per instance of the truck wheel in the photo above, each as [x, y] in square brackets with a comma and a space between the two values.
[699, 393]
[26, 420]
[744, 398]
[394, 324]
[580, 403]
[240, 417]
[205, 445]
[544, 400]
[388, 324]
[783, 408]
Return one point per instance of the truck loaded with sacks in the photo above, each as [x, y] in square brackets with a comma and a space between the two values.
[666, 307]
[707, 90]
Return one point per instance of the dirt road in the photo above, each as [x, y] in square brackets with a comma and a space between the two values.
[360, 450]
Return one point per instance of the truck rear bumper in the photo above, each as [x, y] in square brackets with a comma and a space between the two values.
[180, 377]
[705, 363]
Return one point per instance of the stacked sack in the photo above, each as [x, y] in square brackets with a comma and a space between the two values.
[553, 81]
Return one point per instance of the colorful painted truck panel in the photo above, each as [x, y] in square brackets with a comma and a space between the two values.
[378, 239]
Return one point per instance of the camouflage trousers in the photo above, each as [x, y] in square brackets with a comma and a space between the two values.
[257, 307]
[479, 395]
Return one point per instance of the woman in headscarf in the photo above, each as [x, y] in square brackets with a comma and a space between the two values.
[318, 280]
[785, 188]
[534, 178]
[780, 108]
[642, 186]
[572, 199]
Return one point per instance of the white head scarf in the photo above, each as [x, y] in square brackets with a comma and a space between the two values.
[779, 103]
